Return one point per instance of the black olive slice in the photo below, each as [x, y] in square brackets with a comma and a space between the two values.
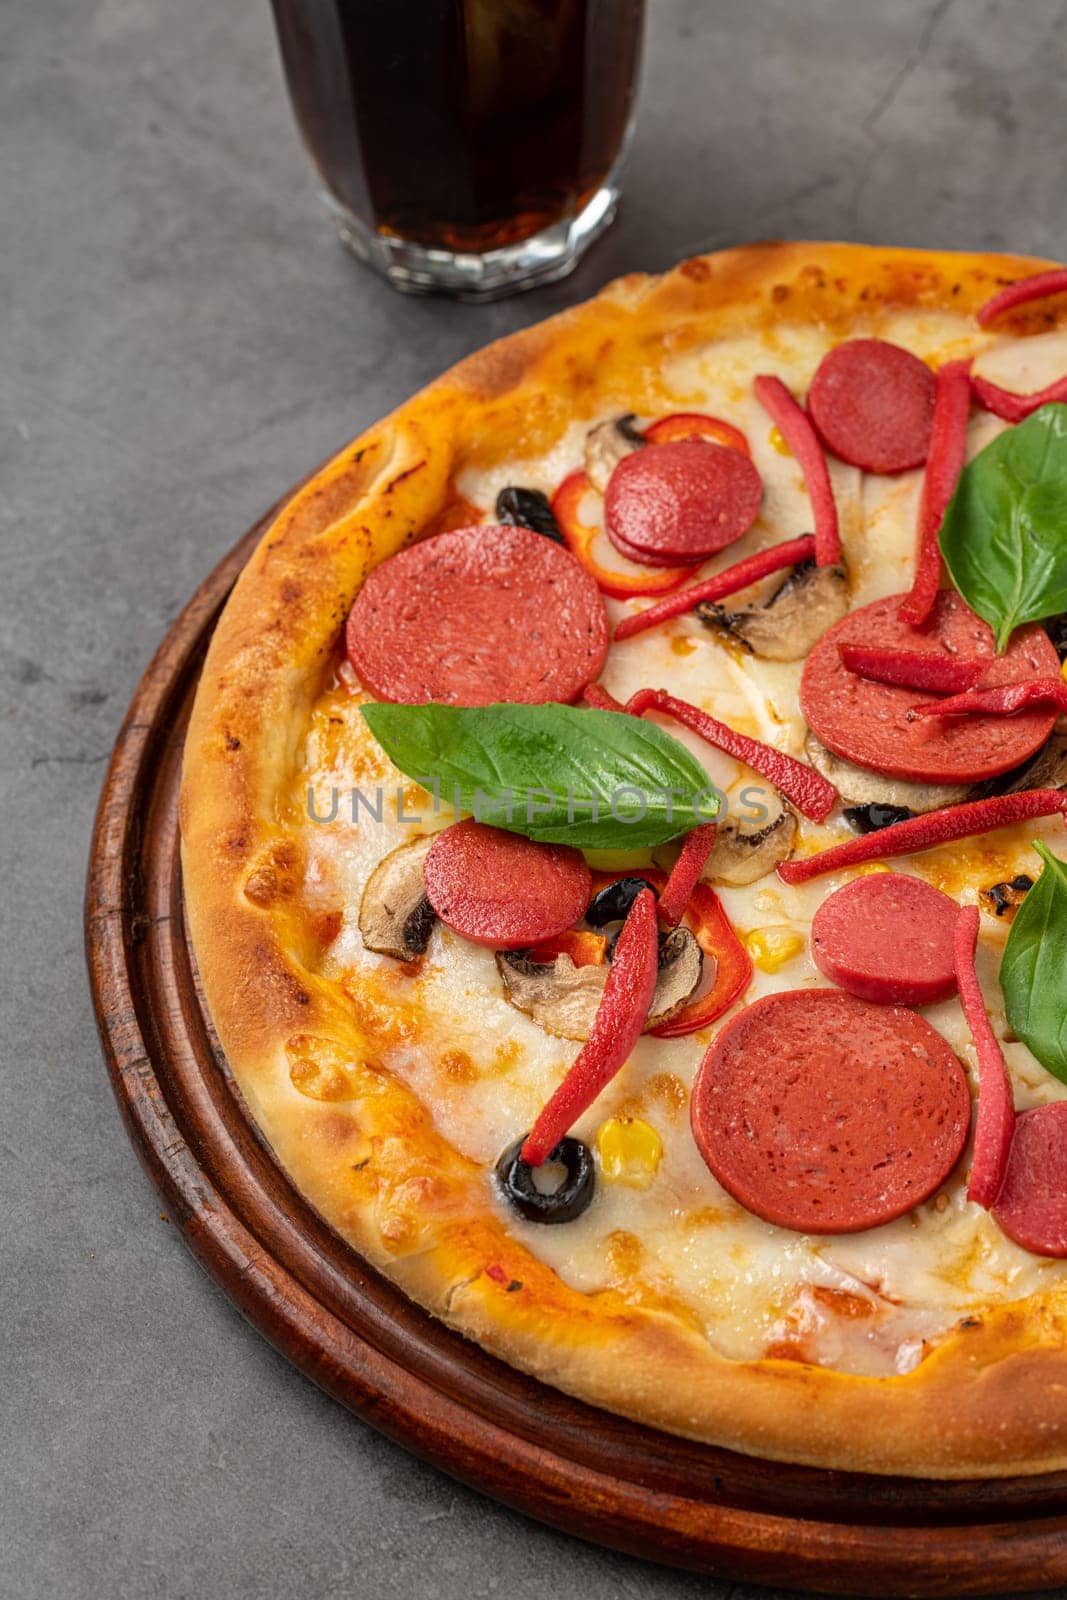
[1004, 899]
[516, 1179]
[527, 508]
[1056, 628]
[613, 902]
[871, 819]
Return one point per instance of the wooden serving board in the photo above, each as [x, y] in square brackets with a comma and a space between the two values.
[580, 1469]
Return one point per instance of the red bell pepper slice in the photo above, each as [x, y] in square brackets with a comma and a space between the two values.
[684, 874]
[944, 462]
[585, 949]
[1020, 293]
[995, 1123]
[792, 423]
[927, 832]
[1014, 407]
[578, 536]
[807, 789]
[616, 1028]
[1003, 700]
[595, 695]
[723, 951]
[913, 669]
[724, 583]
[693, 425]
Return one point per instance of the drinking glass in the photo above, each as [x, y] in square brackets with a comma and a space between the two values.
[466, 146]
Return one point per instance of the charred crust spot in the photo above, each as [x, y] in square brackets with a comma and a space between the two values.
[514, 1286]
[327, 926]
[232, 742]
[261, 886]
[291, 591]
[965, 1324]
[407, 473]
[285, 855]
[696, 270]
[357, 1166]
[779, 293]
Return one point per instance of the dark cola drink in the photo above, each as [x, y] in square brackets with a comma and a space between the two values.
[466, 145]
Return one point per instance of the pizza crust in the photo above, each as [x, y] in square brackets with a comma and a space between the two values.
[354, 1137]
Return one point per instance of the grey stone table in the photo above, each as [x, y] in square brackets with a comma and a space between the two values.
[181, 339]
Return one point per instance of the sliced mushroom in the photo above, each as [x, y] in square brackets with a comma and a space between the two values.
[742, 854]
[605, 446]
[858, 787]
[681, 961]
[559, 996]
[1045, 770]
[563, 998]
[786, 626]
[395, 917]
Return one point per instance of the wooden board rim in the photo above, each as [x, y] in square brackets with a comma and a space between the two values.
[569, 1465]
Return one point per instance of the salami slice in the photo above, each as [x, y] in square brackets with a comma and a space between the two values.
[681, 501]
[888, 938]
[477, 615]
[872, 404]
[868, 723]
[825, 1114]
[502, 890]
[1032, 1204]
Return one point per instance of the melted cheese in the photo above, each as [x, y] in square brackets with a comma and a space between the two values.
[869, 1302]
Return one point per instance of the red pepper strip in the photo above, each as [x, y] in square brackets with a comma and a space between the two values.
[584, 949]
[724, 953]
[807, 789]
[696, 424]
[1021, 292]
[1011, 406]
[578, 536]
[617, 1026]
[792, 423]
[926, 832]
[996, 1108]
[944, 462]
[1001, 701]
[595, 695]
[724, 583]
[913, 669]
[684, 874]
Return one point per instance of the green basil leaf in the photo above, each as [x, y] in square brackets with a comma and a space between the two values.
[1033, 971]
[1004, 535]
[598, 780]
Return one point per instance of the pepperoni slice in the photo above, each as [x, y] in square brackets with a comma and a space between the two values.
[888, 938]
[477, 615]
[872, 404]
[1032, 1204]
[502, 890]
[823, 1113]
[867, 723]
[681, 501]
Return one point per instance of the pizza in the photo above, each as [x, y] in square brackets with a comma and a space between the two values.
[622, 822]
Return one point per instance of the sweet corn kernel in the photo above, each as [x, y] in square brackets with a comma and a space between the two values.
[778, 442]
[630, 1151]
[771, 948]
